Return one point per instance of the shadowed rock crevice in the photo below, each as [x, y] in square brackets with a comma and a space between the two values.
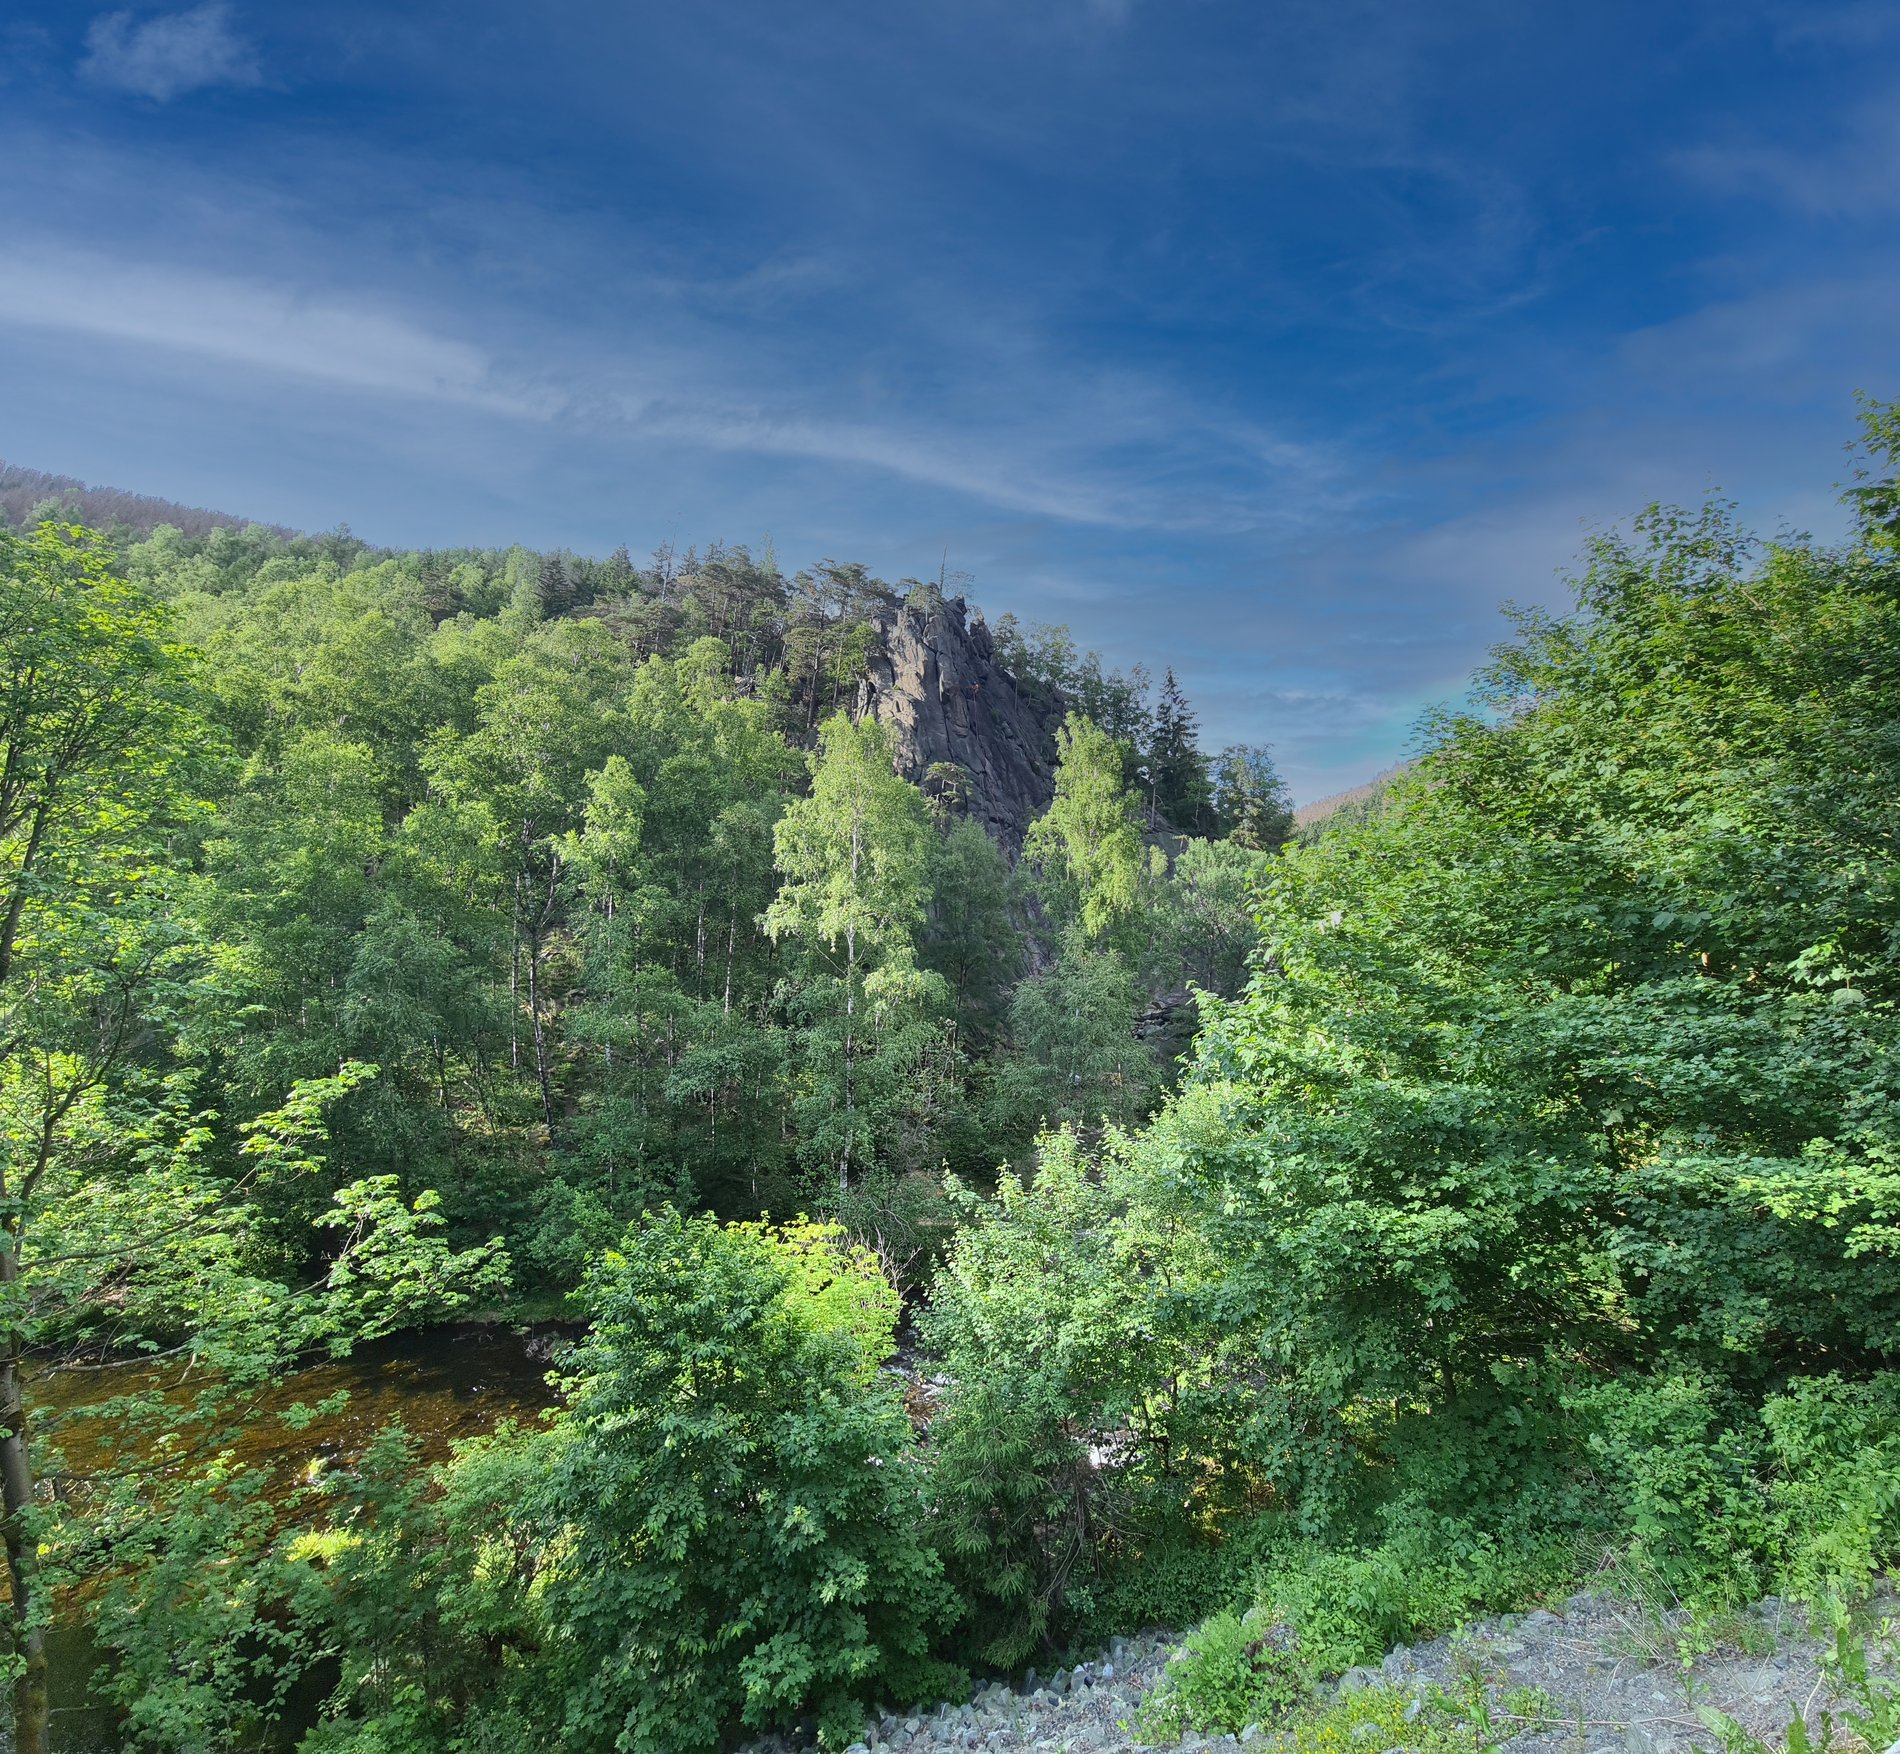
[935, 679]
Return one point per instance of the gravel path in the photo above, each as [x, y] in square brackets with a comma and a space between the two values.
[1611, 1677]
[1617, 1682]
[1091, 1706]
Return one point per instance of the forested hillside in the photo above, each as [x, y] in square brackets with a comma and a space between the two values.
[31, 496]
[392, 936]
[602, 867]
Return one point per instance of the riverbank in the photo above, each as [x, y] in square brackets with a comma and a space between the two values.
[443, 1384]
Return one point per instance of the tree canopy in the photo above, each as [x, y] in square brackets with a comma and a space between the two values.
[391, 937]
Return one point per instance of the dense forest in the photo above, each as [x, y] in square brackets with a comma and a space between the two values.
[547, 891]
[392, 937]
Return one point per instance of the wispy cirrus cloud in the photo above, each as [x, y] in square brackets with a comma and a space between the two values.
[1116, 455]
[1856, 24]
[1853, 172]
[167, 56]
[253, 324]
[1049, 470]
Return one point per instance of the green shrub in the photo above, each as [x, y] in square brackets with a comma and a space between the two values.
[1835, 1483]
[1175, 1580]
[1088, 1416]
[423, 1584]
[1721, 1501]
[735, 1523]
[1686, 1466]
[1236, 1670]
[1426, 1720]
[1351, 1603]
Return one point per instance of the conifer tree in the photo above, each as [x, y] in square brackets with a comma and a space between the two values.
[1178, 789]
[617, 576]
[555, 586]
[1251, 806]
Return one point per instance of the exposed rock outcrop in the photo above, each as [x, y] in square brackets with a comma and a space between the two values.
[935, 680]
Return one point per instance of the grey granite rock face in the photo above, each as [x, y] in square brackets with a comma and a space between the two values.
[935, 680]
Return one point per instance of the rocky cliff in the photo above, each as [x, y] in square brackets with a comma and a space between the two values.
[963, 722]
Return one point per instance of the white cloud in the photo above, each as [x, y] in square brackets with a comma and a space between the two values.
[254, 324]
[1106, 462]
[167, 56]
[1850, 177]
[1118, 457]
[1854, 24]
[933, 464]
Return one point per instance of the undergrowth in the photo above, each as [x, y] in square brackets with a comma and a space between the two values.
[1858, 1667]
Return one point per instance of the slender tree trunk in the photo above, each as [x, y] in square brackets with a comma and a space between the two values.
[10, 931]
[514, 983]
[732, 933]
[699, 942]
[850, 1048]
[32, 1703]
[850, 1014]
[534, 1024]
[536, 945]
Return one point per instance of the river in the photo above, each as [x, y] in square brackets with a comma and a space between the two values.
[443, 1384]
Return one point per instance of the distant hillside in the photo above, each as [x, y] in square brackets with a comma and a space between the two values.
[964, 696]
[937, 678]
[25, 491]
[1308, 815]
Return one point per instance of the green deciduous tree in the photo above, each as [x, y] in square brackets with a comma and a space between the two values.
[1578, 1056]
[1088, 845]
[685, 1061]
[168, 1532]
[855, 855]
[123, 1224]
[1072, 1058]
[548, 720]
[972, 939]
[723, 1529]
[98, 722]
[737, 1496]
[1088, 1410]
[1203, 924]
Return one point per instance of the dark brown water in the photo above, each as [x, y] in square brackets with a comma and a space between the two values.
[442, 1385]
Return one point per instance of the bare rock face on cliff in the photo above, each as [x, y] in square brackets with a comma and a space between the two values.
[934, 679]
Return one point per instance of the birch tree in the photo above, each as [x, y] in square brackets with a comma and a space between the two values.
[855, 856]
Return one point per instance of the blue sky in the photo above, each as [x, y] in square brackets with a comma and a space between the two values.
[1281, 342]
